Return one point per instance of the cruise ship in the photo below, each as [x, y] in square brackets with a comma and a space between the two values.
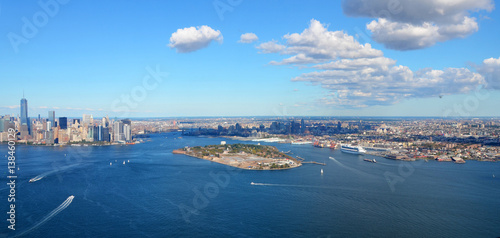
[352, 149]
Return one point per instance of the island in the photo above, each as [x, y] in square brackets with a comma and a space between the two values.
[243, 156]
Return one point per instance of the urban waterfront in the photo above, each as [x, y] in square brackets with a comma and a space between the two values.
[145, 190]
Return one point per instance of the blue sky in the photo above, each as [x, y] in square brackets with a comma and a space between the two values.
[85, 57]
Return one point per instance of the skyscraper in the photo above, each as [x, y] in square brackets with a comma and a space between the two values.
[302, 126]
[105, 134]
[52, 118]
[2, 121]
[127, 121]
[90, 133]
[127, 129]
[101, 133]
[63, 123]
[126, 132]
[97, 133]
[87, 119]
[118, 131]
[24, 113]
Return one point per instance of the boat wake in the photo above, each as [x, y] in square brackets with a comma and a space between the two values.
[356, 171]
[265, 184]
[285, 185]
[36, 178]
[41, 176]
[292, 185]
[49, 216]
[386, 164]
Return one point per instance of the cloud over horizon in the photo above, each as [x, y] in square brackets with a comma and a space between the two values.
[190, 39]
[357, 75]
[410, 25]
[490, 69]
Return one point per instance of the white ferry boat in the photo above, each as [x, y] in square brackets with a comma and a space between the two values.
[347, 148]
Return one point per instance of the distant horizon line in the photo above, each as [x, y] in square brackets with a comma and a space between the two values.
[295, 117]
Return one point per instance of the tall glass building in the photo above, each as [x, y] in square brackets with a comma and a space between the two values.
[63, 123]
[24, 113]
[52, 118]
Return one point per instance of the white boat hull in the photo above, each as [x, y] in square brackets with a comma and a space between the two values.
[352, 152]
[357, 150]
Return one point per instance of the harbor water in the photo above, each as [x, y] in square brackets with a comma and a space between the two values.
[144, 190]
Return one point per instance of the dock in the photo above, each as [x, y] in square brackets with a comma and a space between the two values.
[313, 162]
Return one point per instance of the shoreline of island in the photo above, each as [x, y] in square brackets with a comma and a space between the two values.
[243, 156]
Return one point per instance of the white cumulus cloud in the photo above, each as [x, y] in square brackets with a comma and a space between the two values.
[248, 38]
[406, 36]
[270, 47]
[409, 25]
[317, 44]
[353, 64]
[490, 69]
[356, 75]
[320, 44]
[194, 38]
[369, 86]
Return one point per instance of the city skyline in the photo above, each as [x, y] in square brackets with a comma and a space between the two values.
[103, 114]
[64, 130]
[325, 59]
